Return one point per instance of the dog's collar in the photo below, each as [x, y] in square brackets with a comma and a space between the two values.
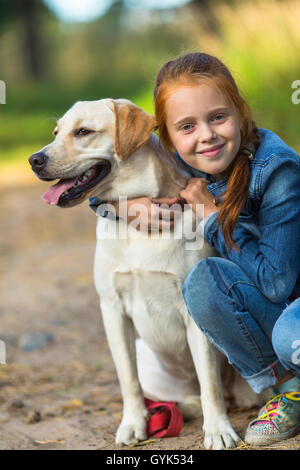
[95, 202]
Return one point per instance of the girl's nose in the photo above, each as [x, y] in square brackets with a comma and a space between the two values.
[206, 133]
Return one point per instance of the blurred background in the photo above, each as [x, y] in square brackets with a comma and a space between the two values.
[55, 52]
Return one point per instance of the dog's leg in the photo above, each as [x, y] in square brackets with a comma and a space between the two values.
[219, 433]
[120, 334]
[190, 407]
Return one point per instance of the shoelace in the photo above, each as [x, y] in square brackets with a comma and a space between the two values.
[274, 404]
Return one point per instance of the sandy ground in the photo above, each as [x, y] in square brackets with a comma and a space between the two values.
[65, 395]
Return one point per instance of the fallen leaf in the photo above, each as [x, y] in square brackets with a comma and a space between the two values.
[72, 405]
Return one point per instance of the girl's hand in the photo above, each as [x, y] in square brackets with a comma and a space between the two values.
[150, 216]
[196, 192]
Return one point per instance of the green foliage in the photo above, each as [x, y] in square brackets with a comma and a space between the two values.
[119, 55]
[263, 52]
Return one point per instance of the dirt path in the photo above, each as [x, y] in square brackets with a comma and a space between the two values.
[64, 395]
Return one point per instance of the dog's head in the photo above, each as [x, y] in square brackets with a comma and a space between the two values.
[91, 140]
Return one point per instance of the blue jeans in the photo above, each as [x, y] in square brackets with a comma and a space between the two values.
[261, 339]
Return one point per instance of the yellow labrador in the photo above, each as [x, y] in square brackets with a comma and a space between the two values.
[107, 148]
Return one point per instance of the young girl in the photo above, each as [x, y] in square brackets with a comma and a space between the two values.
[248, 180]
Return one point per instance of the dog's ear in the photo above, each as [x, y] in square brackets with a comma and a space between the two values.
[133, 127]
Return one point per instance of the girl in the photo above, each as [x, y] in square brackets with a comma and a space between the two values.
[248, 180]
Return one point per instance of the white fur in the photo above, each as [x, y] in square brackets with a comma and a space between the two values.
[139, 282]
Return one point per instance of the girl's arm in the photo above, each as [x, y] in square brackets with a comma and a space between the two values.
[152, 216]
[271, 259]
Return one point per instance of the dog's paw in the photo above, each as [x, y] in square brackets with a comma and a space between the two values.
[128, 433]
[220, 436]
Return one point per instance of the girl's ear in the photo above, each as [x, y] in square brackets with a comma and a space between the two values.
[133, 127]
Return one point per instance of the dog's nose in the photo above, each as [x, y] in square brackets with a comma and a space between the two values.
[38, 161]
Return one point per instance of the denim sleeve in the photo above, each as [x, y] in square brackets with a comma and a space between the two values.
[271, 257]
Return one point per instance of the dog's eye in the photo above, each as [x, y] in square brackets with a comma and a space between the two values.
[55, 132]
[82, 132]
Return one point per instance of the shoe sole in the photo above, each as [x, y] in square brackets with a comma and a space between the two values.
[258, 440]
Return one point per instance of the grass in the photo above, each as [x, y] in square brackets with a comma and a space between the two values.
[263, 50]
[259, 40]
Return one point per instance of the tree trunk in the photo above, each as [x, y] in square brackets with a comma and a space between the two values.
[29, 16]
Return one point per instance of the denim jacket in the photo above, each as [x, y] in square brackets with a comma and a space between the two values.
[268, 228]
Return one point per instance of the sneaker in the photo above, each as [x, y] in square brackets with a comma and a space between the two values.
[278, 420]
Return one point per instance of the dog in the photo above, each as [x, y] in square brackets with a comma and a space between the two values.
[107, 149]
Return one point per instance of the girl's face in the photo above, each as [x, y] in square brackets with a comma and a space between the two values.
[204, 128]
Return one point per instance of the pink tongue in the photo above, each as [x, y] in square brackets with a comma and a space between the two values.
[52, 195]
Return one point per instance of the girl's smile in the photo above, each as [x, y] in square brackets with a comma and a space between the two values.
[212, 151]
[203, 127]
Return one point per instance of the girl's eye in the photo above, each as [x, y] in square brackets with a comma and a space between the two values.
[218, 117]
[186, 127]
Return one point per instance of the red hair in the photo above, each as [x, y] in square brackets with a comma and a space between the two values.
[191, 69]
